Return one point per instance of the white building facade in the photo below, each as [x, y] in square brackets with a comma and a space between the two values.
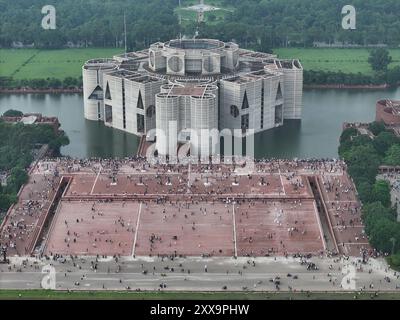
[182, 88]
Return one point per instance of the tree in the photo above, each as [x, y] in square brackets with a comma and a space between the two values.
[348, 133]
[382, 231]
[376, 127]
[381, 192]
[6, 200]
[364, 189]
[17, 178]
[380, 226]
[393, 156]
[380, 59]
[211, 17]
[13, 113]
[384, 141]
[363, 162]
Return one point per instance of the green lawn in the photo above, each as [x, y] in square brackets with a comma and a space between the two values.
[12, 59]
[33, 63]
[332, 59]
[48, 63]
[54, 295]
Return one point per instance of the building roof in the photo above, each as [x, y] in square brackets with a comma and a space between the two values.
[188, 91]
[28, 119]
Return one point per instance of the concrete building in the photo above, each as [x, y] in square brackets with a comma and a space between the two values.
[185, 87]
[388, 111]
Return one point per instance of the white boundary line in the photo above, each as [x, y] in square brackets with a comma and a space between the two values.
[347, 226]
[137, 230]
[283, 186]
[321, 231]
[95, 181]
[234, 230]
[188, 184]
[356, 243]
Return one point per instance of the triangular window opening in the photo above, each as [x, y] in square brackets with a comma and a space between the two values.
[245, 104]
[108, 94]
[140, 101]
[279, 92]
[97, 94]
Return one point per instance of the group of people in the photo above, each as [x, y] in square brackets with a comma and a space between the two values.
[192, 183]
[21, 224]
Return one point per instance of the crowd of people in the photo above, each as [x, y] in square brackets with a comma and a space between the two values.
[19, 226]
[195, 183]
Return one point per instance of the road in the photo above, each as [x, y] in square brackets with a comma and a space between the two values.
[222, 274]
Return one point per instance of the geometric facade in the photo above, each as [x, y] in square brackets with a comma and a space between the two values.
[193, 84]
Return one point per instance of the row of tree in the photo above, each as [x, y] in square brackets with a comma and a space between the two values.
[321, 77]
[94, 22]
[48, 83]
[363, 156]
[16, 153]
[390, 77]
[260, 24]
[379, 60]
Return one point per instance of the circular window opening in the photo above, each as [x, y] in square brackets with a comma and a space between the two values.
[175, 64]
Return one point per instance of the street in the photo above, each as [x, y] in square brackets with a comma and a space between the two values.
[200, 274]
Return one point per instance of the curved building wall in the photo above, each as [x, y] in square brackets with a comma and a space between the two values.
[167, 111]
[200, 56]
[203, 120]
[185, 112]
[211, 64]
[293, 91]
[213, 90]
[92, 77]
[272, 100]
[91, 106]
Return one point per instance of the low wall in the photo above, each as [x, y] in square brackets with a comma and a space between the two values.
[45, 220]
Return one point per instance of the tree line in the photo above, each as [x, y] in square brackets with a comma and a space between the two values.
[320, 77]
[379, 59]
[260, 24]
[16, 153]
[46, 83]
[363, 156]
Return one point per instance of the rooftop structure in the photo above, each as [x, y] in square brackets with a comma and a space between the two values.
[388, 111]
[34, 118]
[197, 84]
[200, 8]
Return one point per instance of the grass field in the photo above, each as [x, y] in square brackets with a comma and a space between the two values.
[85, 295]
[32, 63]
[333, 59]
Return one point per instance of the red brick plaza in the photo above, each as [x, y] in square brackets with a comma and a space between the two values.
[131, 208]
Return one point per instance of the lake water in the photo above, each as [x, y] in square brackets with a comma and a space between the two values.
[317, 135]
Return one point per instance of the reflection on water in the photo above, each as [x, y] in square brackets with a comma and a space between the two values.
[88, 138]
[282, 142]
[102, 141]
[317, 135]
